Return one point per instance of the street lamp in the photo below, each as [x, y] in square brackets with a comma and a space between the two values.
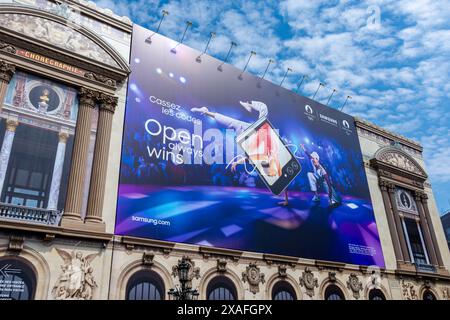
[183, 292]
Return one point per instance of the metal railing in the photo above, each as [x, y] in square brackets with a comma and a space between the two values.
[29, 214]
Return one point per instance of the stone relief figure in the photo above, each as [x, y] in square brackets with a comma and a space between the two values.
[446, 293]
[408, 291]
[76, 280]
[57, 34]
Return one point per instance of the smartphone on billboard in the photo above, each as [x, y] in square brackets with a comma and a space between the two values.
[267, 152]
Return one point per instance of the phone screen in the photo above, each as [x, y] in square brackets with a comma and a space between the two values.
[267, 152]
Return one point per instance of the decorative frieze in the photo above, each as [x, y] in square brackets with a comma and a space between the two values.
[101, 78]
[409, 291]
[56, 34]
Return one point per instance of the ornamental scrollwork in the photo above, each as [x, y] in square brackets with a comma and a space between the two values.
[308, 281]
[355, 285]
[254, 277]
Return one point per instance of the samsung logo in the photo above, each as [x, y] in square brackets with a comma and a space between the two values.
[328, 119]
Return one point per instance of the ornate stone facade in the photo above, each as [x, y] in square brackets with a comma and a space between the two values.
[56, 34]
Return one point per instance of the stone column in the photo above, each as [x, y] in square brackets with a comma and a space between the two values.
[6, 73]
[398, 224]
[57, 171]
[424, 203]
[11, 125]
[390, 218]
[107, 107]
[74, 200]
[426, 229]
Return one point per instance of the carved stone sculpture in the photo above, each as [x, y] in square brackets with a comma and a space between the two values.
[308, 281]
[221, 265]
[409, 291]
[354, 285]
[446, 293]
[76, 280]
[282, 271]
[254, 277]
[56, 34]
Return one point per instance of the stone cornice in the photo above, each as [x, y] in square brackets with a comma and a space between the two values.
[364, 124]
[50, 231]
[101, 77]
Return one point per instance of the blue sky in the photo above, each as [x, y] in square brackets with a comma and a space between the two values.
[392, 57]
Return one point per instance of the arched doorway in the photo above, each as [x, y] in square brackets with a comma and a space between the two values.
[221, 288]
[145, 285]
[17, 280]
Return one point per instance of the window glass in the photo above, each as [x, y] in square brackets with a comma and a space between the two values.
[37, 127]
[428, 295]
[333, 293]
[145, 285]
[221, 288]
[415, 241]
[17, 280]
[376, 294]
[282, 290]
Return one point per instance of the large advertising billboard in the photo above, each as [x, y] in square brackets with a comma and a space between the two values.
[215, 157]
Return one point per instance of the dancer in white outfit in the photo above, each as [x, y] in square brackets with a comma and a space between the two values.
[232, 123]
[269, 160]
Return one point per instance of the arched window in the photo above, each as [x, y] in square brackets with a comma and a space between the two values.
[17, 280]
[428, 295]
[332, 292]
[221, 288]
[145, 285]
[282, 290]
[376, 294]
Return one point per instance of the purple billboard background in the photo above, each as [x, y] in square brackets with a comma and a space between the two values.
[176, 177]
